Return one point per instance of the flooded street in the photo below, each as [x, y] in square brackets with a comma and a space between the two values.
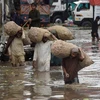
[23, 83]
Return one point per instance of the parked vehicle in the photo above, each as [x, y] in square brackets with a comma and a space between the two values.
[43, 7]
[58, 11]
[83, 13]
[82, 16]
[54, 11]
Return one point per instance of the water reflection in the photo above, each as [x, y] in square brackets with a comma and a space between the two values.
[39, 91]
[71, 94]
[95, 48]
[43, 78]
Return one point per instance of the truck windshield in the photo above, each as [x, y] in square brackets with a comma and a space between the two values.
[52, 1]
[55, 0]
[83, 6]
[73, 5]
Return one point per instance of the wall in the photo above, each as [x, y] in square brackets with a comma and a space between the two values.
[0, 14]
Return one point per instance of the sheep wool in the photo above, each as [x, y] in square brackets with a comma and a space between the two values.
[87, 61]
[11, 28]
[45, 32]
[62, 32]
[61, 48]
[36, 34]
[26, 39]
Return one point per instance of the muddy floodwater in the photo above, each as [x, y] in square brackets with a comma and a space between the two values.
[24, 83]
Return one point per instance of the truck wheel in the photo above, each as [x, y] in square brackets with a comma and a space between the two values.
[87, 24]
[57, 20]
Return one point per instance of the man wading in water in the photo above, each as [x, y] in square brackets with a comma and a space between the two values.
[71, 65]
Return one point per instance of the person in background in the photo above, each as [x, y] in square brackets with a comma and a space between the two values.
[69, 10]
[17, 18]
[70, 65]
[16, 49]
[12, 13]
[94, 32]
[42, 55]
[34, 16]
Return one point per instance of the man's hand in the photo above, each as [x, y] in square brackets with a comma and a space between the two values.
[67, 75]
[81, 56]
[34, 64]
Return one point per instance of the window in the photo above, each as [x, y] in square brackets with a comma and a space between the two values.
[63, 1]
[73, 5]
[83, 6]
[55, 0]
[51, 2]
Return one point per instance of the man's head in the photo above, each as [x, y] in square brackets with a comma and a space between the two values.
[98, 18]
[19, 34]
[74, 52]
[33, 6]
[18, 10]
[44, 39]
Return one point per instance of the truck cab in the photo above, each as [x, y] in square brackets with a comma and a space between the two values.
[82, 13]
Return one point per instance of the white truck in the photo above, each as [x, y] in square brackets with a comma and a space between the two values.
[58, 11]
[82, 13]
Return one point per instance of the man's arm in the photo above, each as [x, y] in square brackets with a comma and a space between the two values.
[9, 53]
[35, 56]
[64, 70]
[81, 54]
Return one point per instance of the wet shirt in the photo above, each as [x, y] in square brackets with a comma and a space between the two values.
[71, 66]
[95, 27]
[42, 54]
[35, 16]
[16, 48]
